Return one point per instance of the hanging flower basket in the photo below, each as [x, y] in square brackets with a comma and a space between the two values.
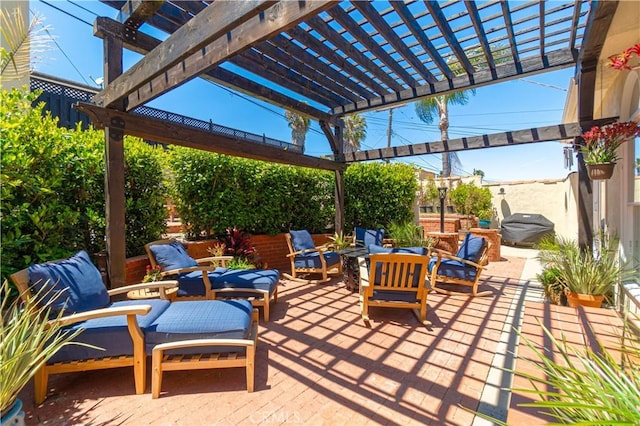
[600, 171]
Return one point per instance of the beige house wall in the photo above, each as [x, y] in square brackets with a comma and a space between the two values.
[555, 199]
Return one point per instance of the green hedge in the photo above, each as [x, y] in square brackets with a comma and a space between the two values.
[52, 187]
[214, 192]
[377, 194]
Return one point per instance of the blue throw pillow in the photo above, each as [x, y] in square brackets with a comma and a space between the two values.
[366, 237]
[471, 248]
[73, 284]
[302, 240]
[172, 256]
[373, 249]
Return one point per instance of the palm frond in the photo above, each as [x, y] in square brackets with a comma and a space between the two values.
[24, 43]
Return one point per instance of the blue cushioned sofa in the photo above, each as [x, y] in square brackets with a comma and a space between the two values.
[123, 333]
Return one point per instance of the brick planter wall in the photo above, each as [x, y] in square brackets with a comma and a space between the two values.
[494, 238]
[431, 223]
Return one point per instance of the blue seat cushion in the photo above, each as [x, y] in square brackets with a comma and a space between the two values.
[312, 260]
[191, 284]
[258, 279]
[374, 249]
[201, 319]
[471, 248]
[366, 237]
[301, 240]
[394, 296]
[73, 284]
[454, 269]
[108, 333]
[172, 256]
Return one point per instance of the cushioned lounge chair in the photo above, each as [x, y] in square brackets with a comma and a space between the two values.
[306, 258]
[198, 280]
[463, 269]
[395, 279]
[366, 237]
[119, 329]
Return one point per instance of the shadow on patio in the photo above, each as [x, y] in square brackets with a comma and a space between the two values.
[317, 363]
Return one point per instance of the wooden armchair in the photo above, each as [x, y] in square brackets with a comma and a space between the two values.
[394, 280]
[208, 278]
[464, 268]
[306, 258]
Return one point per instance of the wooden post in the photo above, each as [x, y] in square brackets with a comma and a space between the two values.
[114, 173]
[339, 188]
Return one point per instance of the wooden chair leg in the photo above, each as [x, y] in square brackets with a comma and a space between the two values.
[156, 374]
[250, 367]
[40, 384]
[265, 307]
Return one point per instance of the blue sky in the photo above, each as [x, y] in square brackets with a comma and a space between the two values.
[531, 102]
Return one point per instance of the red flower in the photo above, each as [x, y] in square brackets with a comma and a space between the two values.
[601, 143]
[621, 60]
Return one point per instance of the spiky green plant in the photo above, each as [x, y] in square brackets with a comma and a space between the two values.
[28, 340]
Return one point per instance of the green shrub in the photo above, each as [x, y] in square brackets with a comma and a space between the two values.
[214, 192]
[52, 187]
[377, 194]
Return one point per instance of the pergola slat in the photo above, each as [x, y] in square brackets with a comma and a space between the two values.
[303, 37]
[367, 41]
[474, 14]
[449, 35]
[176, 134]
[271, 70]
[369, 12]
[509, 27]
[553, 60]
[403, 11]
[517, 137]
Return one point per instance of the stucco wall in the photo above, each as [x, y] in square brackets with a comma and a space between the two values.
[555, 199]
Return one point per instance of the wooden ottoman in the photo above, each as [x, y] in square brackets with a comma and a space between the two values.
[200, 335]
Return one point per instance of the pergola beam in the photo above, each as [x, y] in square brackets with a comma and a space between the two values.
[249, 28]
[208, 26]
[177, 134]
[517, 137]
[135, 12]
[143, 43]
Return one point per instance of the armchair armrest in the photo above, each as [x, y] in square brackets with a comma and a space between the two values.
[206, 261]
[319, 249]
[445, 255]
[141, 309]
[189, 269]
[160, 285]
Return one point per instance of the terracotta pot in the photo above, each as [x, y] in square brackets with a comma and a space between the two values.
[601, 170]
[576, 299]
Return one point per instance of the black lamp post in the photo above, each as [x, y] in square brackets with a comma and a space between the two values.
[442, 194]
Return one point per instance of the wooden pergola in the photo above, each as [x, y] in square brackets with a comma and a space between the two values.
[338, 58]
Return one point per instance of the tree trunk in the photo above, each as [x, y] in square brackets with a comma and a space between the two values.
[443, 110]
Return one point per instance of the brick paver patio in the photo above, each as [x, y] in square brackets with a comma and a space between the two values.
[317, 363]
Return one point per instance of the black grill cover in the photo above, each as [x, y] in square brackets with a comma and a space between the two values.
[525, 228]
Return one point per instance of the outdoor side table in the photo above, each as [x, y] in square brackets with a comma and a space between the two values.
[350, 267]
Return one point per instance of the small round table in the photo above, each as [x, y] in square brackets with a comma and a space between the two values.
[152, 293]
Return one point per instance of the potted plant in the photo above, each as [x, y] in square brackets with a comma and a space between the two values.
[470, 201]
[29, 339]
[588, 277]
[600, 147]
[485, 217]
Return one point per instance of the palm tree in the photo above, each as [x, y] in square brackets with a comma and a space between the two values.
[355, 130]
[20, 41]
[427, 109]
[299, 127]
